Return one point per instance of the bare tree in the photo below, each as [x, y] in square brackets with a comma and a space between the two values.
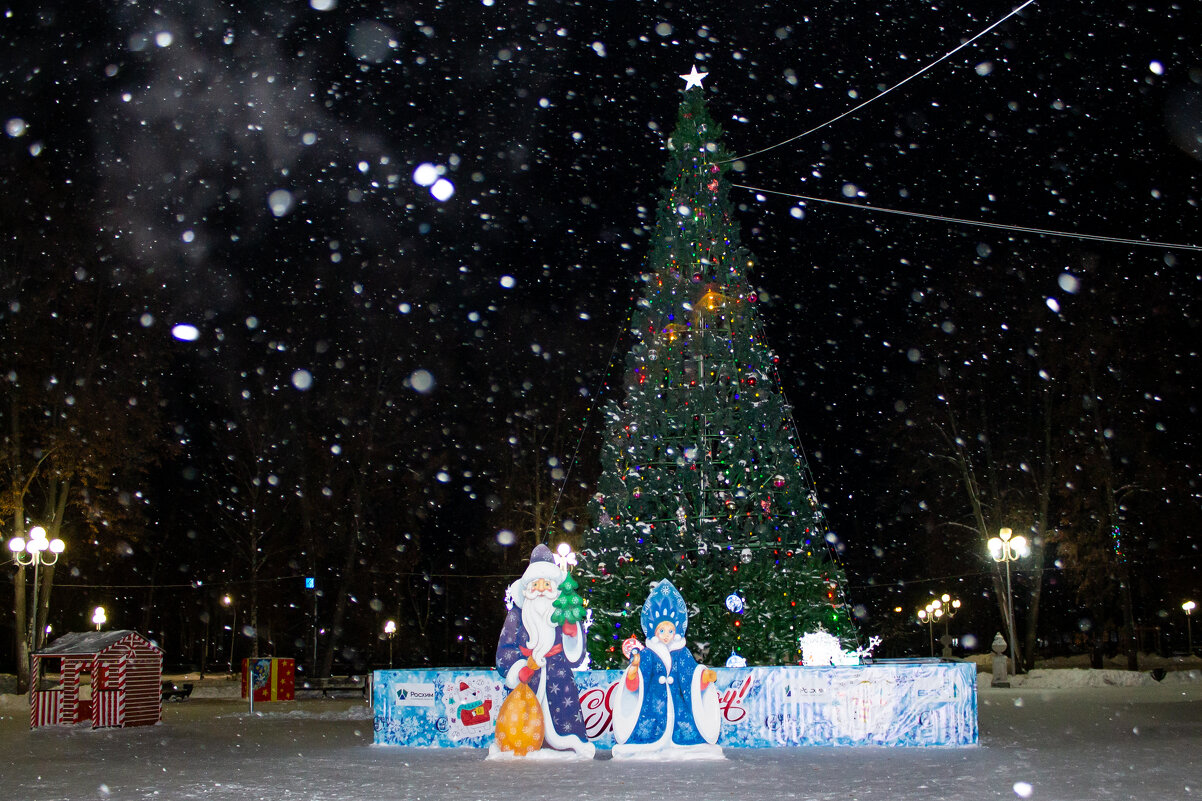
[1051, 425]
[80, 397]
[250, 503]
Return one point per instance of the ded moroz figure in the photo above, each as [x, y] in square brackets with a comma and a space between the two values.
[666, 705]
[536, 656]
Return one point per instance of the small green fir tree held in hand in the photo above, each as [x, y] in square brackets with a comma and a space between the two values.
[569, 606]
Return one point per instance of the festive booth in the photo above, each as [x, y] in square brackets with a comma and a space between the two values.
[110, 678]
[273, 679]
[921, 702]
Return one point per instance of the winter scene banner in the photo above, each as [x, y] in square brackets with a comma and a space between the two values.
[892, 704]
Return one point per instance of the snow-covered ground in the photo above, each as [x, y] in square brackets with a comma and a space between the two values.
[1056, 735]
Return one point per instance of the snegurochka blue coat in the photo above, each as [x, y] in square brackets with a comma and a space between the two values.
[669, 710]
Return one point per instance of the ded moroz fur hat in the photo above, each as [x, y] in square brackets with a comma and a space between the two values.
[542, 565]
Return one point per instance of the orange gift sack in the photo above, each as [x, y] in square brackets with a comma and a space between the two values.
[520, 722]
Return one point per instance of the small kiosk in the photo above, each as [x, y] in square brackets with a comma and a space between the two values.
[111, 678]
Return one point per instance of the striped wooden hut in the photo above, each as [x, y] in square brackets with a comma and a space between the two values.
[111, 678]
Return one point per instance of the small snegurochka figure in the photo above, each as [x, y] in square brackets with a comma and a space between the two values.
[535, 656]
[666, 706]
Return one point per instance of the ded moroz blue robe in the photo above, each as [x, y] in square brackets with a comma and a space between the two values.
[553, 684]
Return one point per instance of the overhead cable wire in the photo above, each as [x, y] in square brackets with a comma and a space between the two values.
[1114, 240]
[893, 88]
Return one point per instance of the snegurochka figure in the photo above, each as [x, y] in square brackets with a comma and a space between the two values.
[666, 705]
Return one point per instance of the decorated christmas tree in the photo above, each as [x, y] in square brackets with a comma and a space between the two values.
[704, 480]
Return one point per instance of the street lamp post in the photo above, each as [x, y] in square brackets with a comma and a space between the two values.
[1188, 607]
[929, 614]
[941, 608]
[390, 632]
[1007, 548]
[99, 617]
[36, 551]
[204, 644]
[226, 600]
[950, 607]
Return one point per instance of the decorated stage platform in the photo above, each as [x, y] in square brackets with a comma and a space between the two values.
[896, 703]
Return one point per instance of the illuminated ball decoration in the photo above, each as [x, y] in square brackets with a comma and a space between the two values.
[778, 481]
[735, 603]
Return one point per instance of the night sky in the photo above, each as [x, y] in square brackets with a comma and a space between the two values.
[255, 170]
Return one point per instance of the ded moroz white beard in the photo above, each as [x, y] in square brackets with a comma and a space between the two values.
[536, 617]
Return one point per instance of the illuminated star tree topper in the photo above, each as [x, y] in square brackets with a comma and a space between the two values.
[694, 78]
